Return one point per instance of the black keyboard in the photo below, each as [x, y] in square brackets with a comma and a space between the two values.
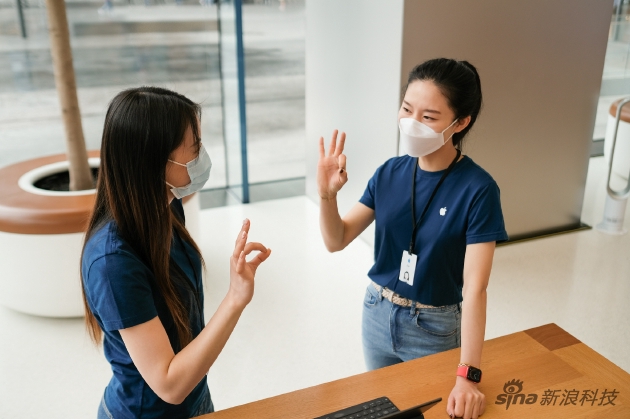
[373, 409]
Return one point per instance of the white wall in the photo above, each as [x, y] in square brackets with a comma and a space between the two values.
[353, 66]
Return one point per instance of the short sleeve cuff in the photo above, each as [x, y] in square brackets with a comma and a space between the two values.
[130, 321]
[367, 202]
[498, 237]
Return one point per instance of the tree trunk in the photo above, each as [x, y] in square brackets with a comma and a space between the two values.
[80, 174]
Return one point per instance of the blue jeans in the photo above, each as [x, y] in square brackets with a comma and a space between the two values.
[204, 408]
[394, 334]
[103, 411]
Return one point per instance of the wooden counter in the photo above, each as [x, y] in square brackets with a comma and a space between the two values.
[545, 361]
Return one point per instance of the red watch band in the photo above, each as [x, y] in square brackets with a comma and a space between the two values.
[462, 371]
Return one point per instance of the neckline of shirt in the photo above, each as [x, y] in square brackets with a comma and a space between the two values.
[424, 173]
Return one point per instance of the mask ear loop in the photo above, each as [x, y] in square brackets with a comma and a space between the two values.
[181, 164]
[186, 165]
[449, 138]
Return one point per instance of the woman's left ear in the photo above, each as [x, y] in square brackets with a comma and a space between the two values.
[462, 123]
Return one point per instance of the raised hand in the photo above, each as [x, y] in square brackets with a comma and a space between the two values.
[331, 168]
[242, 272]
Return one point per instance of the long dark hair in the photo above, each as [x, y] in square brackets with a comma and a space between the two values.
[459, 82]
[143, 126]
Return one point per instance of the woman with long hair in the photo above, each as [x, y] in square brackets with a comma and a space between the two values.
[142, 271]
[438, 217]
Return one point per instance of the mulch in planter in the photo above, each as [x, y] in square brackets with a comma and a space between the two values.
[59, 182]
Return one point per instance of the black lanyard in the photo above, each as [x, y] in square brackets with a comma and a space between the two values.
[415, 223]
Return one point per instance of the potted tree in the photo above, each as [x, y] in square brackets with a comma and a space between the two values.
[45, 204]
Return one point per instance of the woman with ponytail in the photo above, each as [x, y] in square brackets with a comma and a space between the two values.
[142, 271]
[438, 217]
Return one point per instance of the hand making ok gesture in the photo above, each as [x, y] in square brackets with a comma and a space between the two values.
[242, 272]
[331, 168]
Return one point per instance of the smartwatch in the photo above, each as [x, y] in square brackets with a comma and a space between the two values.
[469, 372]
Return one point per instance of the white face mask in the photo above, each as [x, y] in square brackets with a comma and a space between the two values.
[198, 171]
[418, 139]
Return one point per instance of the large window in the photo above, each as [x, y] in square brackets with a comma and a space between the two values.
[616, 75]
[174, 44]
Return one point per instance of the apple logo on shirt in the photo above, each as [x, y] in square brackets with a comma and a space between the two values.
[443, 211]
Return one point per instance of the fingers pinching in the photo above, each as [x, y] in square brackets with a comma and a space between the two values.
[260, 258]
[253, 246]
[342, 163]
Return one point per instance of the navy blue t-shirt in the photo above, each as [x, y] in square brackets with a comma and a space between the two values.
[465, 210]
[121, 292]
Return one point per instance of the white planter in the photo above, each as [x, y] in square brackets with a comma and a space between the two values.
[42, 277]
[28, 179]
[41, 272]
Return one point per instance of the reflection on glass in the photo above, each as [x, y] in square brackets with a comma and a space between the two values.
[616, 64]
[116, 44]
[616, 74]
[233, 93]
[274, 40]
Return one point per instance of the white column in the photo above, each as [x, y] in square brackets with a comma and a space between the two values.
[353, 58]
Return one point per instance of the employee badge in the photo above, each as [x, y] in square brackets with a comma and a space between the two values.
[407, 267]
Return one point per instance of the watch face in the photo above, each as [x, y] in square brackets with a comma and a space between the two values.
[474, 374]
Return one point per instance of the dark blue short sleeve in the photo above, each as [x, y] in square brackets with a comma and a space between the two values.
[119, 291]
[485, 218]
[369, 196]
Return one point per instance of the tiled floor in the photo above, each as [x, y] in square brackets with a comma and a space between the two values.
[303, 326]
